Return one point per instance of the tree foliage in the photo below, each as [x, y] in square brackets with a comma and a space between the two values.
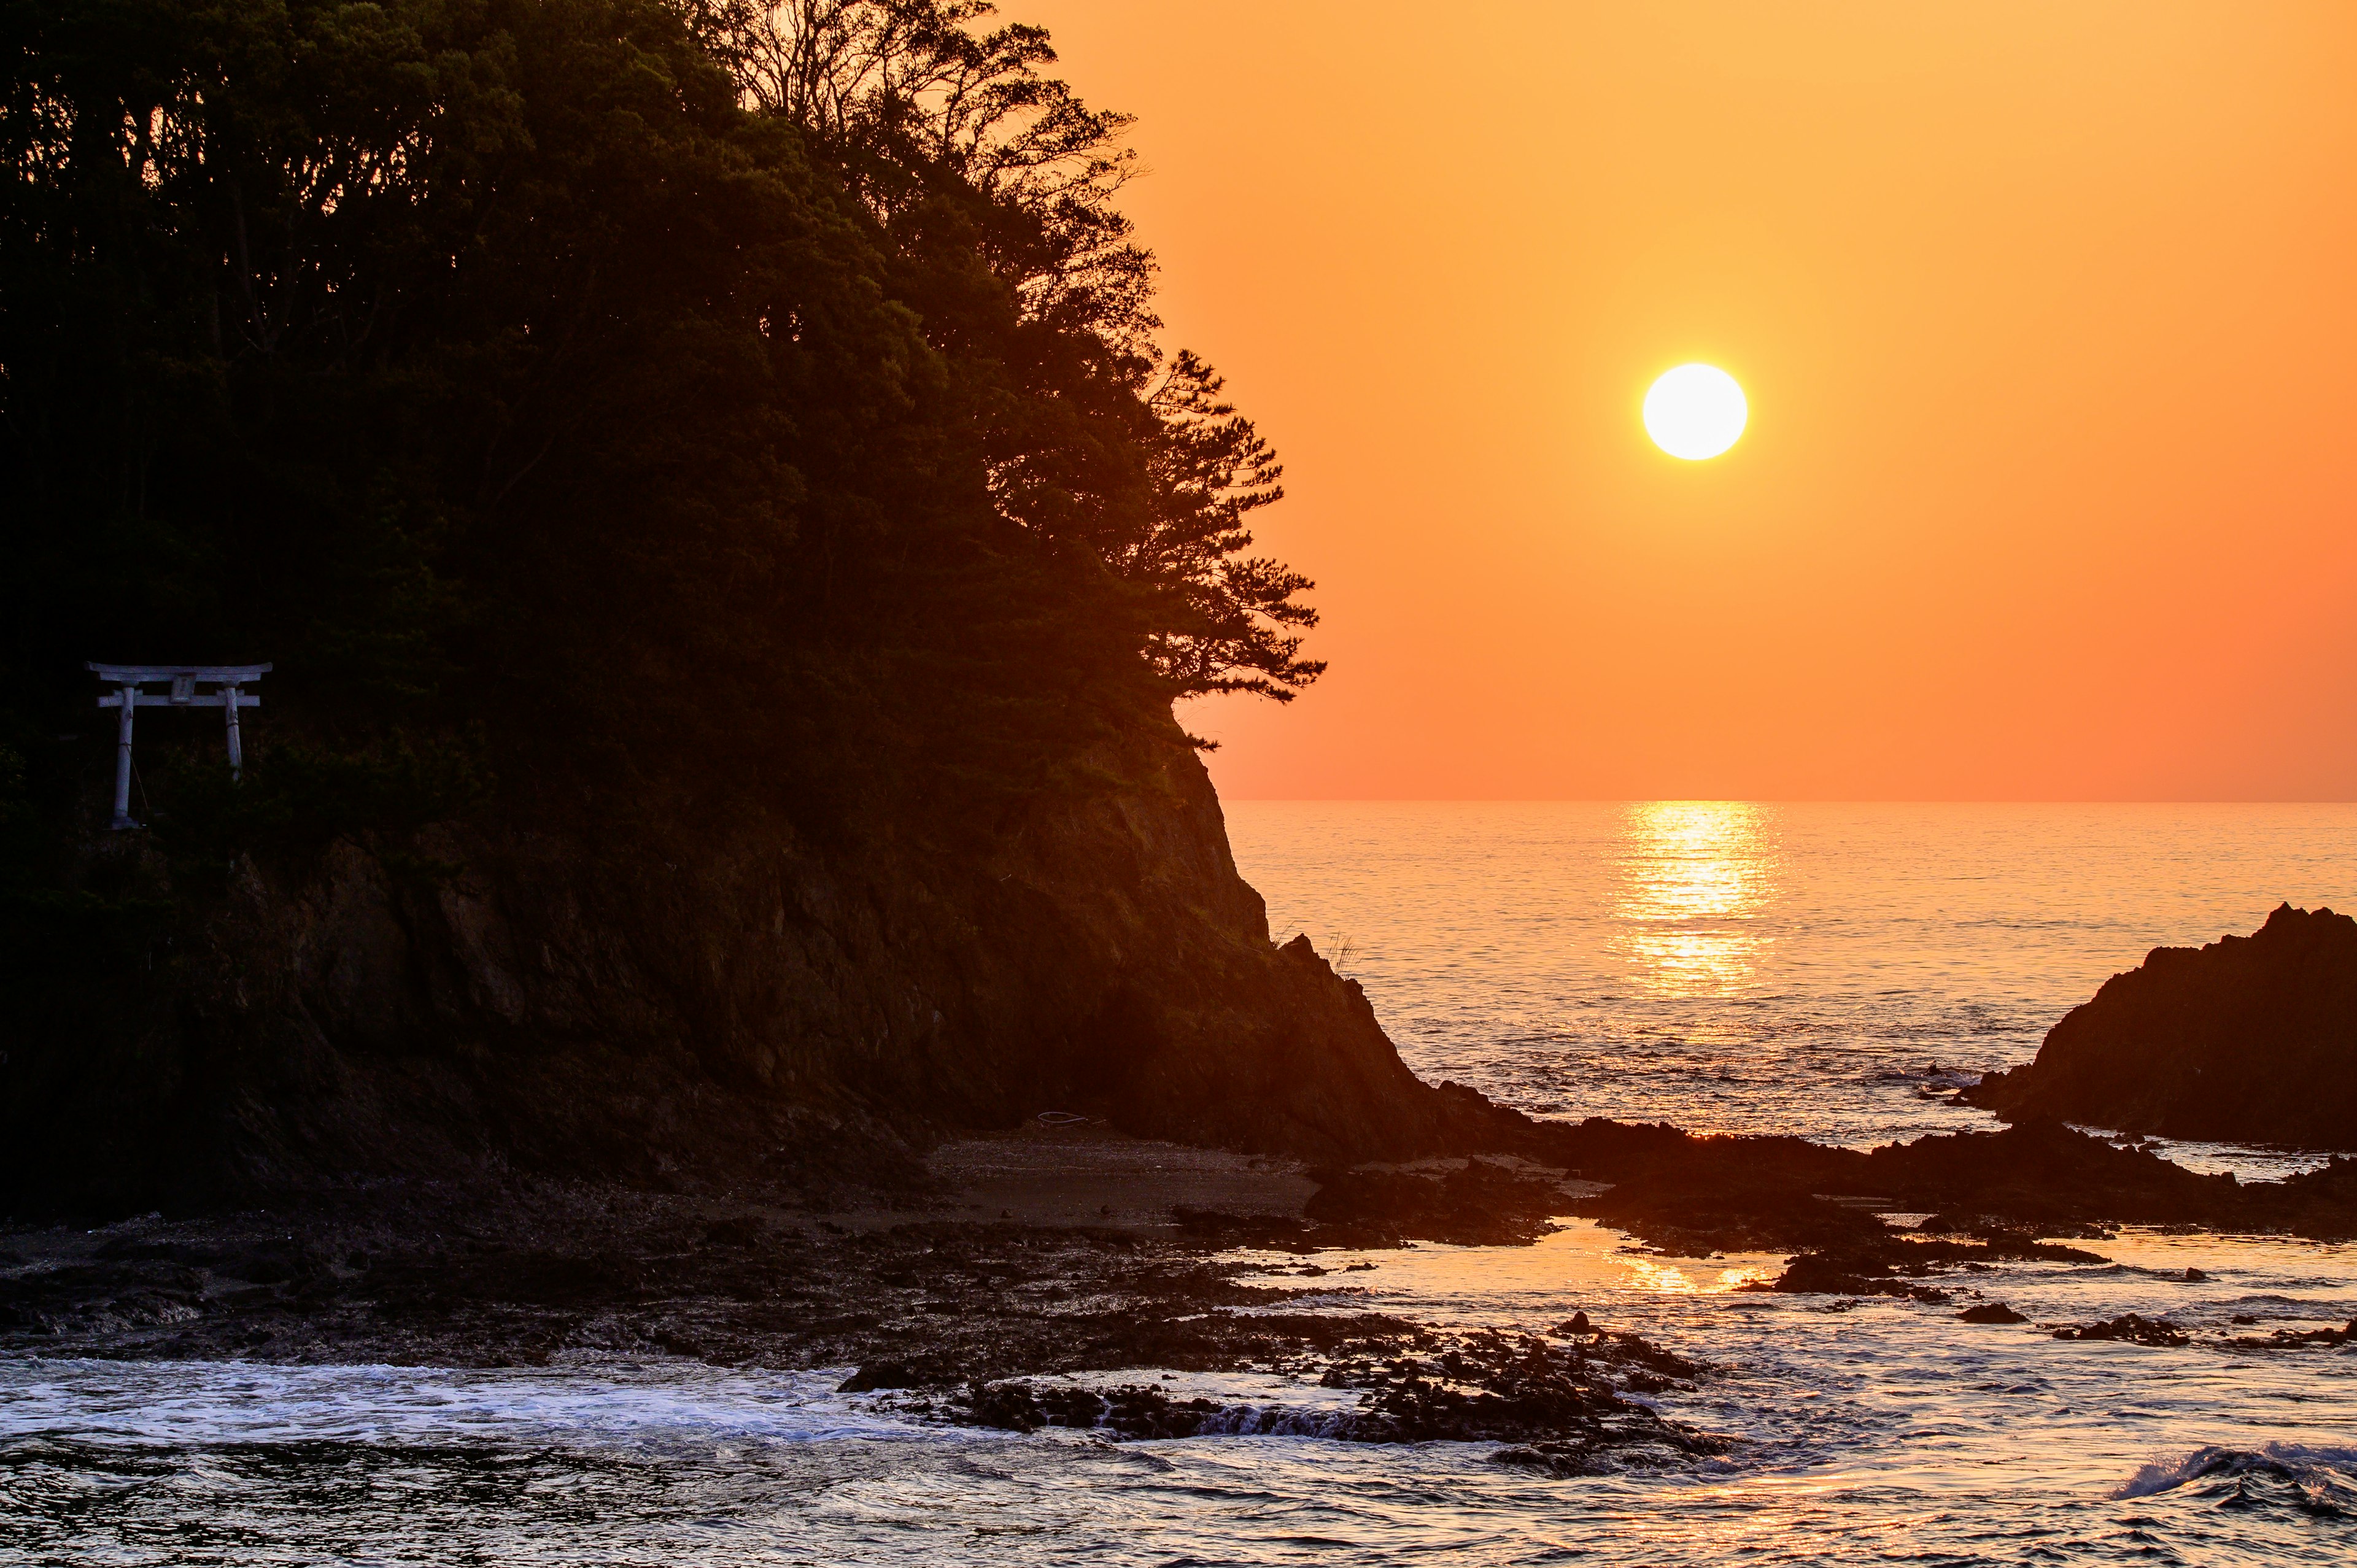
[669, 389]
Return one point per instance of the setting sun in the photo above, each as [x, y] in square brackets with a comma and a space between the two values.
[1696, 412]
[1059, 775]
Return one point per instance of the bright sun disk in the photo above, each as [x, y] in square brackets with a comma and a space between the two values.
[1696, 412]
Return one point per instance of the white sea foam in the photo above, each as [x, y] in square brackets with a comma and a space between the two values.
[1888, 1425]
[190, 1403]
[2323, 1474]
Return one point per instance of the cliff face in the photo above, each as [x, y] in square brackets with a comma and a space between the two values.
[719, 999]
[2248, 1039]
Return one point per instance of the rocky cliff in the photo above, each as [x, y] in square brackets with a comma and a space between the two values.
[682, 1002]
[2249, 1039]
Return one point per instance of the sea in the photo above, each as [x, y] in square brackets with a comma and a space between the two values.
[1833, 970]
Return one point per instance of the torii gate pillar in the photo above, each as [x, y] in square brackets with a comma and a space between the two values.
[126, 678]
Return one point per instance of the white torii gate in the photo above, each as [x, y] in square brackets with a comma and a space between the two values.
[184, 679]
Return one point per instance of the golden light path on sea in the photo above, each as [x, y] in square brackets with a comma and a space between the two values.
[1669, 1279]
[1694, 876]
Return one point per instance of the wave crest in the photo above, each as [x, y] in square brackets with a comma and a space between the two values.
[2316, 1480]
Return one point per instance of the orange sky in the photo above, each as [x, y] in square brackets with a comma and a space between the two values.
[2047, 317]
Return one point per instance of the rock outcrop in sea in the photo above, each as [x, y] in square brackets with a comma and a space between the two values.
[2249, 1039]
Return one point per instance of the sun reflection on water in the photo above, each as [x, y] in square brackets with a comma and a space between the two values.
[1668, 1279]
[1695, 877]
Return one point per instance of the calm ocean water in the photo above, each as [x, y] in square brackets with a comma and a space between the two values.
[1737, 967]
[1786, 968]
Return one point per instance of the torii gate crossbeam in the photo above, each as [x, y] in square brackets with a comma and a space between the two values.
[183, 681]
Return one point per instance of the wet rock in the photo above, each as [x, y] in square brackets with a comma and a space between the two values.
[2283, 1338]
[2046, 1179]
[1990, 1228]
[1567, 1460]
[1562, 1460]
[2131, 1327]
[1282, 1233]
[1694, 1195]
[1888, 1264]
[1477, 1387]
[1713, 1195]
[1991, 1312]
[1477, 1204]
[1576, 1324]
[1132, 1410]
[1819, 1273]
[742, 1231]
[1631, 1350]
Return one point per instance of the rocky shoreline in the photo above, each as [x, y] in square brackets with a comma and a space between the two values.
[1046, 1278]
[952, 1314]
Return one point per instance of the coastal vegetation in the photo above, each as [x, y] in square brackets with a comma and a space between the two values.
[605, 410]
[656, 377]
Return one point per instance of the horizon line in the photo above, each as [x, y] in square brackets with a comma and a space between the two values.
[1781, 800]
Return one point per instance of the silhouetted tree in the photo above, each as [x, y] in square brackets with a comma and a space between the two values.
[723, 390]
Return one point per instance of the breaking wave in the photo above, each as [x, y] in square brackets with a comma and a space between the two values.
[178, 1403]
[2315, 1480]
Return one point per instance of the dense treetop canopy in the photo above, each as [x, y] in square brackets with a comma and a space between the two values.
[662, 391]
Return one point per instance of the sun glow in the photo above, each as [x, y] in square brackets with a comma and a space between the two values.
[1669, 1279]
[1696, 412]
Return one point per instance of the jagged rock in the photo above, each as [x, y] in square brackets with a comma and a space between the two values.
[2249, 1040]
[2130, 1326]
[1478, 1386]
[1881, 1264]
[1816, 1273]
[1478, 1203]
[2283, 1338]
[1731, 1195]
[1694, 1194]
[1991, 1312]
